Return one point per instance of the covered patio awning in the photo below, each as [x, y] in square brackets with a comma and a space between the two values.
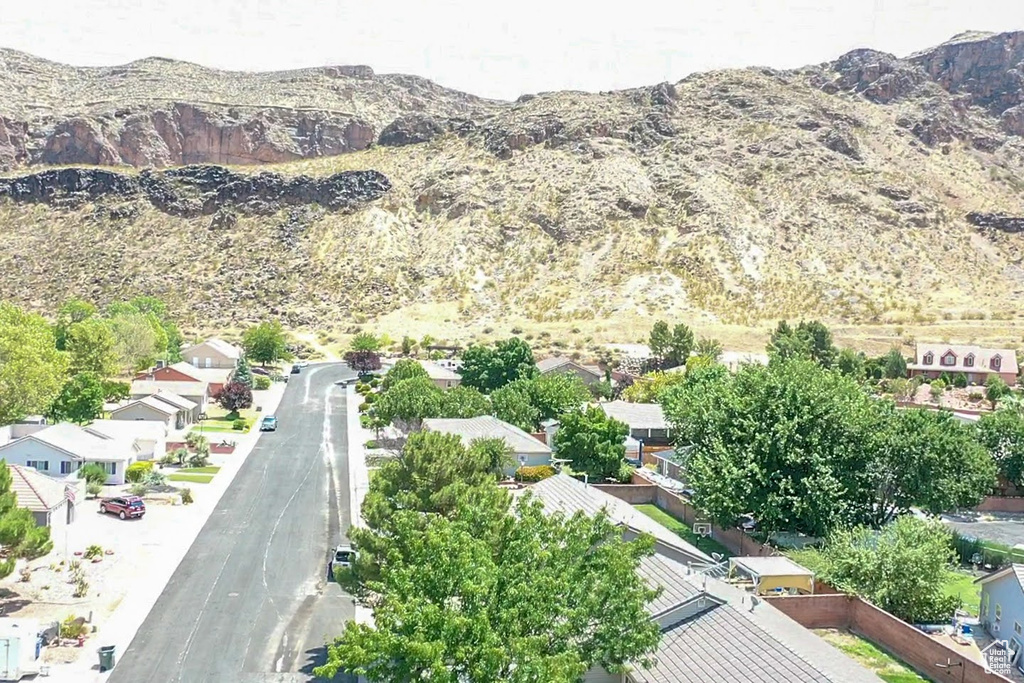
[771, 574]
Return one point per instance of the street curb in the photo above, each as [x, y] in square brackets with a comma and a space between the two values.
[358, 474]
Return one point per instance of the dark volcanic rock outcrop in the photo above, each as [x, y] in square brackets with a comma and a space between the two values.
[997, 221]
[197, 190]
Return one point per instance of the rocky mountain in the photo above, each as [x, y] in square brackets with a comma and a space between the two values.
[868, 190]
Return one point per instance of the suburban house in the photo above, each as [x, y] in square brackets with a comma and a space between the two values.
[184, 372]
[977, 363]
[151, 409]
[196, 393]
[443, 377]
[60, 450]
[1002, 607]
[212, 353]
[527, 450]
[711, 631]
[646, 421]
[590, 374]
[148, 436]
[45, 497]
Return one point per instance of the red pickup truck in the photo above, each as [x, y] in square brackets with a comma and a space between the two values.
[123, 506]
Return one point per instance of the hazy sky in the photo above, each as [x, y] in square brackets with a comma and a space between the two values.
[494, 49]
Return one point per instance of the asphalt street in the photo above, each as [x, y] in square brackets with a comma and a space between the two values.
[250, 601]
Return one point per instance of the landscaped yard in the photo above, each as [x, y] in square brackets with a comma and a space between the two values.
[195, 475]
[681, 529]
[962, 585]
[220, 420]
[887, 667]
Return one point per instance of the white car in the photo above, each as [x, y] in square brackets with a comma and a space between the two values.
[303, 363]
[343, 557]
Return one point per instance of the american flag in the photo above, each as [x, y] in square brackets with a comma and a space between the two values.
[69, 493]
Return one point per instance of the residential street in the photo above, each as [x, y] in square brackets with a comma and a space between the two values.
[250, 600]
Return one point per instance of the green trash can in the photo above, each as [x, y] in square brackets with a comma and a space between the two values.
[107, 657]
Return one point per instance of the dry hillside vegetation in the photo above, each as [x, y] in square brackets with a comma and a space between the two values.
[869, 191]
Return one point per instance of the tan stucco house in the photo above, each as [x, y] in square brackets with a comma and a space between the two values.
[212, 353]
[976, 362]
[560, 364]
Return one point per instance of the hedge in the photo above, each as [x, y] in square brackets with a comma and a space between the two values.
[137, 471]
[536, 473]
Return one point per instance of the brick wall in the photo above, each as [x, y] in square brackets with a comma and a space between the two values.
[920, 651]
[634, 494]
[1001, 504]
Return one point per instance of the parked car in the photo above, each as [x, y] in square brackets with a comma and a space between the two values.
[342, 558]
[296, 369]
[302, 363]
[261, 371]
[123, 506]
[269, 424]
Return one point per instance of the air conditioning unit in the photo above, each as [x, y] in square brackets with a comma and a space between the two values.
[995, 628]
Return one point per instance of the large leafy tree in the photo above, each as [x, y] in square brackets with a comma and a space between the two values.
[650, 387]
[810, 339]
[901, 568]
[463, 588]
[489, 369]
[894, 364]
[363, 362]
[493, 453]
[787, 442]
[235, 396]
[927, 459]
[557, 393]
[364, 341]
[1002, 434]
[32, 370]
[410, 400]
[513, 404]
[70, 312]
[592, 441]
[169, 333]
[243, 373]
[851, 363]
[673, 346]
[995, 389]
[135, 339]
[19, 535]
[80, 400]
[91, 347]
[660, 339]
[266, 343]
[463, 402]
[406, 368]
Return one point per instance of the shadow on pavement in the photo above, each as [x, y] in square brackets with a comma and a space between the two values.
[317, 656]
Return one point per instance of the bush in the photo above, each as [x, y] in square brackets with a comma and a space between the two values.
[169, 459]
[186, 497]
[374, 382]
[81, 588]
[137, 471]
[93, 489]
[93, 551]
[71, 628]
[625, 473]
[535, 473]
[976, 396]
[138, 489]
[154, 479]
[960, 380]
[372, 444]
[364, 406]
[261, 382]
[198, 460]
[180, 455]
[370, 397]
[239, 425]
[93, 473]
[362, 388]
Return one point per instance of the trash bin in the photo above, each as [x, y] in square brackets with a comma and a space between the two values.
[107, 657]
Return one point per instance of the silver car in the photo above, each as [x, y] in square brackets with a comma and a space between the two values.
[342, 558]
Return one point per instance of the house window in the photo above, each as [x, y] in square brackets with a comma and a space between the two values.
[969, 360]
[949, 359]
[109, 467]
[40, 465]
[195, 361]
[929, 358]
[999, 611]
[996, 362]
[209, 362]
[1016, 627]
[68, 466]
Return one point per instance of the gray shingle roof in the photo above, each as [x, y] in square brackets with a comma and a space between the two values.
[663, 572]
[636, 415]
[77, 442]
[151, 402]
[487, 427]
[562, 493]
[435, 371]
[145, 387]
[215, 375]
[171, 398]
[229, 350]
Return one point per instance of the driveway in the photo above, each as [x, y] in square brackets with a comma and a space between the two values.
[1000, 527]
[250, 600]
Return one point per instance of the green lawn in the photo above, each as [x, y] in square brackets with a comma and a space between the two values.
[192, 478]
[681, 529]
[962, 584]
[887, 667]
[210, 469]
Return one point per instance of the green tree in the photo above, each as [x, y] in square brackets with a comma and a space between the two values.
[903, 389]
[592, 441]
[243, 373]
[93, 473]
[650, 387]
[901, 568]
[894, 364]
[80, 400]
[496, 453]
[266, 343]
[557, 393]
[406, 368]
[708, 348]
[810, 339]
[19, 535]
[851, 363]
[32, 370]
[786, 343]
[1002, 433]
[364, 341]
[488, 369]
[463, 402]
[513, 404]
[91, 347]
[680, 346]
[408, 345]
[115, 391]
[135, 340]
[410, 400]
[926, 459]
[660, 339]
[995, 389]
[936, 388]
[235, 396]
[71, 311]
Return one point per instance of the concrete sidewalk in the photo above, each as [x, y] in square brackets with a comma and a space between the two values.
[121, 627]
[358, 476]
